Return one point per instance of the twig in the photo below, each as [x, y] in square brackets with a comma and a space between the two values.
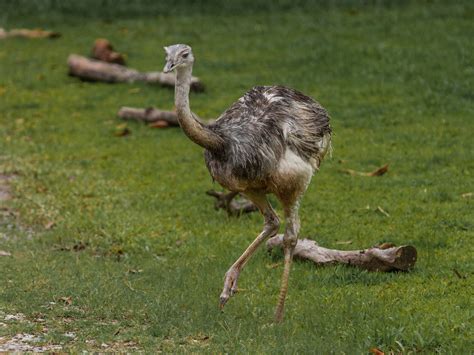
[377, 172]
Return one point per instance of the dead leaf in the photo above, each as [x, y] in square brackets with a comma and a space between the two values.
[273, 266]
[376, 351]
[50, 225]
[104, 51]
[66, 300]
[134, 271]
[385, 246]
[377, 172]
[5, 253]
[467, 195]
[344, 242]
[122, 130]
[199, 339]
[159, 124]
[79, 246]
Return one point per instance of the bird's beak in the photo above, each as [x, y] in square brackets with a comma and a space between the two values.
[169, 66]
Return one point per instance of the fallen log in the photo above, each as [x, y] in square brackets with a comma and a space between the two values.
[155, 117]
[96, 70]
[148, 115]
[26, 33]
[382, 258]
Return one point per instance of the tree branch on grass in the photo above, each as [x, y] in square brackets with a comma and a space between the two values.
[385, 257]
[148, 115]
[151, 115]
[96, 70]
[380, 258]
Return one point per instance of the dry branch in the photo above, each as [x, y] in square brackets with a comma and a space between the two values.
[96, 70]
[229, 202]
[155, 117]
[148, 115]
[382, 258]
[377, 172]
[25, 33]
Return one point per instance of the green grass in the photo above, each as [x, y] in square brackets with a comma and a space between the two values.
[398, 80]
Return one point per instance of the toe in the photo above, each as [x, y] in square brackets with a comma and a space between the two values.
[223, 300]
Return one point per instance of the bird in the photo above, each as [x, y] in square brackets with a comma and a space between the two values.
[270, 141]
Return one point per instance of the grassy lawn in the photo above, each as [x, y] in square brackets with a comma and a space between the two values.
[136, 257]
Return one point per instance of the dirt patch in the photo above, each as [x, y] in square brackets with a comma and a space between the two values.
[25, 342]
[5, 188]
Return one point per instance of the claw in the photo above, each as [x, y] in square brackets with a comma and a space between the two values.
[222, 301]
[230, 287]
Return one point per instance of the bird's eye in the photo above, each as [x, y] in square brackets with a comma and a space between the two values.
[185, 55]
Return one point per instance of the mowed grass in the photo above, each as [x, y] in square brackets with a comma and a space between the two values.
[137, 253]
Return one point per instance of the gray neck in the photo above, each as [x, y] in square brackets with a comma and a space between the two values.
[195, 130]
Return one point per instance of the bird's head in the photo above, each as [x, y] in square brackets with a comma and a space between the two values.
[178, 55]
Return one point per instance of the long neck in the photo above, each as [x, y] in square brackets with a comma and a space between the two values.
[195, 130]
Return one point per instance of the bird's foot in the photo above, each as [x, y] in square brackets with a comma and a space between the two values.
[230, 286]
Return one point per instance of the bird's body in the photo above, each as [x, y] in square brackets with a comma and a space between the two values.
[267, 130]
[271, 140]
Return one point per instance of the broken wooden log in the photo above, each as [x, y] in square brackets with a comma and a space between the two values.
[104, 51]
[232, 202]
[148, 115]
[26, 33]
[96, 70]
[382, 258]
[153, 116]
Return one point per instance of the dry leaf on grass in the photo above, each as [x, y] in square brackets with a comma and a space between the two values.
[377, 172]
[66, 300]
[122, 130]
[344, 242]
[467, 195]
[159, 124]
[50, 225]
[5, 253]
[376, 351]
[385, 245]
[104, 51]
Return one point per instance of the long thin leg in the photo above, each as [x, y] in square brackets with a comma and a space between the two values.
[270, 229]
[290, 238]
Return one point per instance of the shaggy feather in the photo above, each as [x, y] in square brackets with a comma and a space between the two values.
[260, 126]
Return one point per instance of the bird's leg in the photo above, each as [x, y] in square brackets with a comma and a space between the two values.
[290, 238]
[271, 226]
